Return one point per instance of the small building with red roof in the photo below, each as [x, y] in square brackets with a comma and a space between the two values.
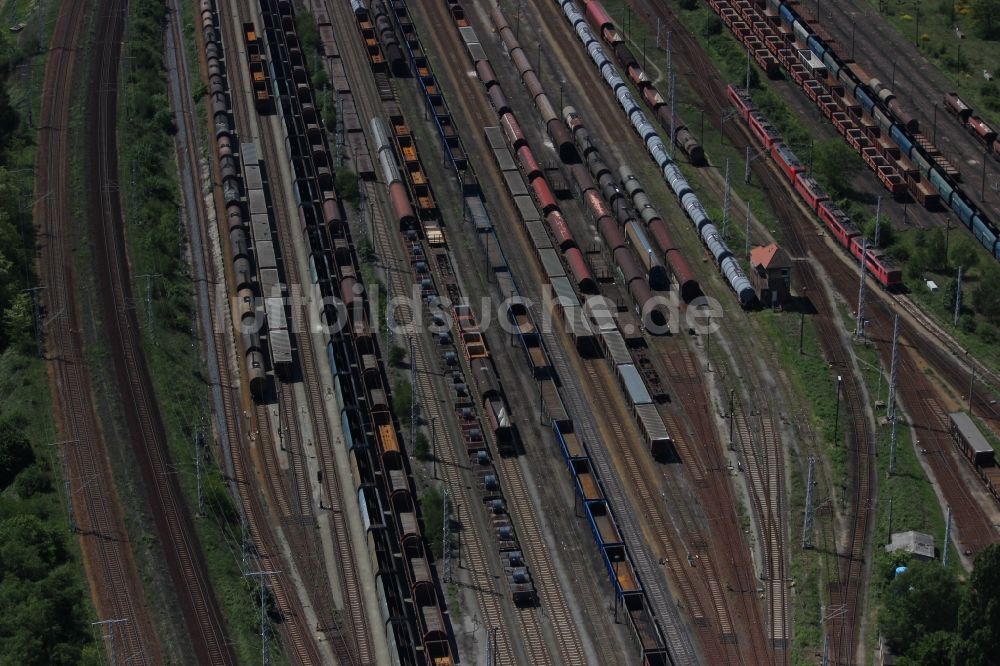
[771, 274]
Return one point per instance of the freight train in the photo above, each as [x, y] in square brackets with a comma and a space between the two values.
[847, 235]
[686, 282]
[974, 448]
[883, 107]
[405, 580]
[688, 200]
[985, 134]
[600, 20]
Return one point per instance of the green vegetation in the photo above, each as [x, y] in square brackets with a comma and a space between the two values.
[396, 355]
[422, 447]
[308, 31]
[158, 247]
[932, 25]
[920, 611]
[929, 617]
[432, 509]
[347, 185]
[42, 588]
[402, 401]
[978, 637]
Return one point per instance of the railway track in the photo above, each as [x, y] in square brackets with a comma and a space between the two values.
[185, 563]
[707, 82]
[114, 581]
[885, 53]
[528, 620]
[220, 342]
[353, 645]
[483, 582]
[761, 457]
[705, 464]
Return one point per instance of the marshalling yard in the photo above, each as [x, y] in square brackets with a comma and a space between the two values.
[501, 365]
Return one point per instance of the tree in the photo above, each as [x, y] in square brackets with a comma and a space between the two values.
[986, 16]
[886, 234]
[402, 400]
[432, 508]
[963, 253]
[978, 639]
[930, 250]
[918, 602]
[15, 453]
[29, 548]
[347, 185]
[986, 296]
[835, 163]
[934, 649]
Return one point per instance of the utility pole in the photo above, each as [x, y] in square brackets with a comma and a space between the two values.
[265, 655]
[748, 70]
[747, 243]
[878, 215]
[491, 646]
[802, 329]
[746, 168]
[859, 329]
[110, 624]
[445, 545]
[149, 297]
[807, 524]
[888, 536]
[673, 114]
[972, 382]
[893, 368]
[36, 318]
[958, 297]
[732, 416]
[892, 397]
[836, 418]
[197, 466]
[67, 487]
[947, 540]
[892, 447]
[725, 204]
[413, 396]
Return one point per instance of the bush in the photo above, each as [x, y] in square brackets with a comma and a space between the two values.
[986, 332]
[688, 4]
[712, 26]
[422, 447]
[15, 453]
[396, 355]
[431, 506]
[347, 186]
[35, 480]
[402, 401]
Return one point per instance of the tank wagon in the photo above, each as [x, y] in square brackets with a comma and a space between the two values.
[640, 618]
[635, 280]
[598, 185]
[846, 233]
[557, 132]
[600, 20]
[387, 39]
[260, 293]
[686, 197]
[863, 94]
[686, 282]
[406, 583]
